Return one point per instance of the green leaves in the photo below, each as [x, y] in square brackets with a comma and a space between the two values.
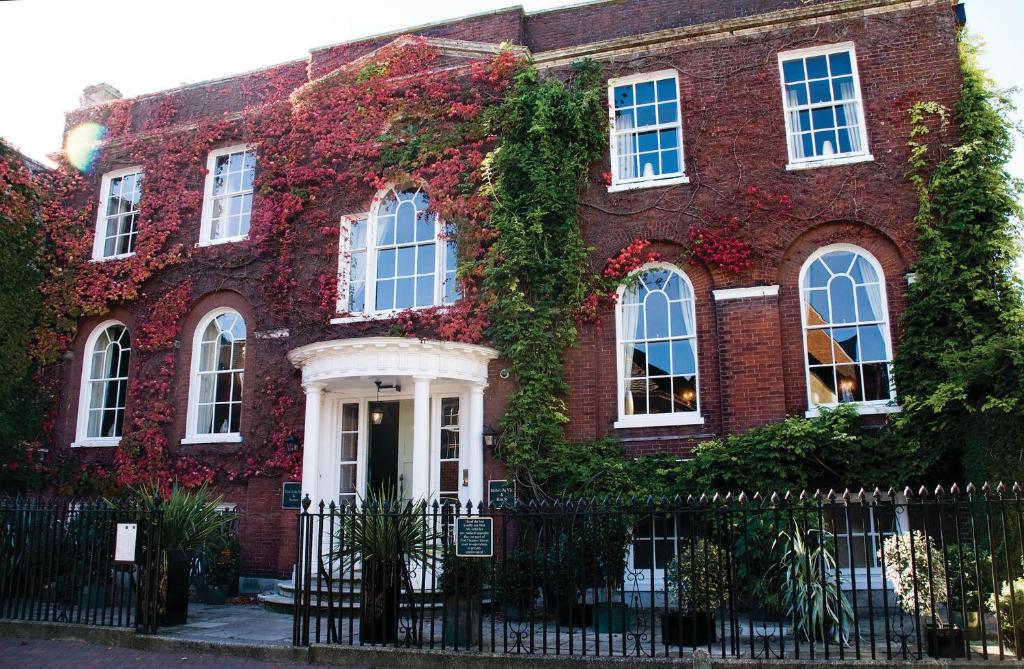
[959, 365]
[535, 276]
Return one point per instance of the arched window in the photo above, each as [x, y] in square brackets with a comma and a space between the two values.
[397, 257]
[104, 385]
[218, 365]
[657, 346]
[846, 327]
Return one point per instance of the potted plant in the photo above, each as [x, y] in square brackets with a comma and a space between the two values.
[222, 568]
[804, 576]
[385, 537]
[190, 520]
[462, 583]
[917, 572]
[515, 592]
[696, 588]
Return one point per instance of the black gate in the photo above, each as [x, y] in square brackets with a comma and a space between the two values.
[58, 563]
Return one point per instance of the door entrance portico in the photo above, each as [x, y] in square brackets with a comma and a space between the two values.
[437, 408]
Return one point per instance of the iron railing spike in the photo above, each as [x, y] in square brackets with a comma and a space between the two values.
[774, 498]
[922, 491]
[306, 501]
[803, 495]
[1016, 488]
[939, 490]
[985, 488]
[954, 489]
[971, 489]
[1000, 488]
[742, 499]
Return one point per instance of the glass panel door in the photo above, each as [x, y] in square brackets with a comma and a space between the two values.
[348, 453]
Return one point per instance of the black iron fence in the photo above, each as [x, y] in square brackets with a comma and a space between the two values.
[58, 562]
[864, 575]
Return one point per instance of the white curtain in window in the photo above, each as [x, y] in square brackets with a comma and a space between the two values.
[688, 310]
[874, 291]
[852, 115]
[630, 318]
[794, 125]
[624, 147]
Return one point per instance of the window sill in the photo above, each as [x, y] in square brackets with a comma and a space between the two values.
[659, 420]
[218, 242]
[121, 256]
[382, 315]
[830, 162]
[651, 183]
[228, 438]
[97, 442]
[862, 409]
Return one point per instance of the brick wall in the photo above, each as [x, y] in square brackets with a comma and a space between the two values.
[750, 351]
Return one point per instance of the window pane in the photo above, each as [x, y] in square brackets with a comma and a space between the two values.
[683, 359]
[876, 382]
[817, 67]
[406, 261]
[644, 92]
[841, 292]
[658, 358]
[823, 386]
[405, 293]
[386, 263]
[820, 91]
[793, 70]
[840, 63]
[623, 96]
[685, 393]
[849, 383]
[659, 395]
[872, 343]
[645, 115]
[845, 344]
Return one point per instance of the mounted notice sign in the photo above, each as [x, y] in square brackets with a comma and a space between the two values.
[474, 537]
[291, 495]
[124, 546]
[501, 494]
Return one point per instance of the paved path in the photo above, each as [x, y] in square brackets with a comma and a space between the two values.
[46, 654]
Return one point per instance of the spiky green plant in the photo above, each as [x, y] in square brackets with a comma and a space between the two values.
[191, 520]
[805, 579]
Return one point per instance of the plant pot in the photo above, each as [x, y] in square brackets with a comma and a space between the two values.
[378, 617]
[945, 641]
[972, 626]
[610, 617]
[688, 629]
[179, 568]
[462, 621]
[215, 595]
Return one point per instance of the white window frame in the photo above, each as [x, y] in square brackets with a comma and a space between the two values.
[814, 161]
[662, 179]
[370, 294]
[863, 407]
[206, 220]
[659, 419]
[100, 238]
[192, 435]
[82, 421]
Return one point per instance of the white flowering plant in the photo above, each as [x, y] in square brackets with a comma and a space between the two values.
[917, 572]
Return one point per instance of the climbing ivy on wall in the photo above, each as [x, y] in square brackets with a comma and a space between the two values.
[536, 270]
[19, 303]
[960, 364]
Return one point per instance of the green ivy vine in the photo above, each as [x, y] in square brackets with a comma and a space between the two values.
[536, 269]
[960, 364]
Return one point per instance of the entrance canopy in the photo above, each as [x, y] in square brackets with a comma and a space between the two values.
[440, 445]
[350, 363]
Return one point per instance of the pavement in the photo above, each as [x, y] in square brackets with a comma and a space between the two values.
[233, 623]
[57, 654]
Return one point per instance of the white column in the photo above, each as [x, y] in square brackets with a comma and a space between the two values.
[475, 442]
[421, 439]
[311, 442]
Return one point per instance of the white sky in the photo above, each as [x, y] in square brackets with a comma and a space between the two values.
[51, 49]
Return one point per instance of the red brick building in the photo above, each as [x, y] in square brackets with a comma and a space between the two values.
[786, 117]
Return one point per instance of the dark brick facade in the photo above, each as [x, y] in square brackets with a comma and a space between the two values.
[750, 350]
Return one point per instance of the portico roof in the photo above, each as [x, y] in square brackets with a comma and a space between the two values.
[375, 357]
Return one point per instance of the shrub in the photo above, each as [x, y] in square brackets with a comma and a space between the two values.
[1010, 600]
[696, 579]
[908, 571]
[833, 450]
